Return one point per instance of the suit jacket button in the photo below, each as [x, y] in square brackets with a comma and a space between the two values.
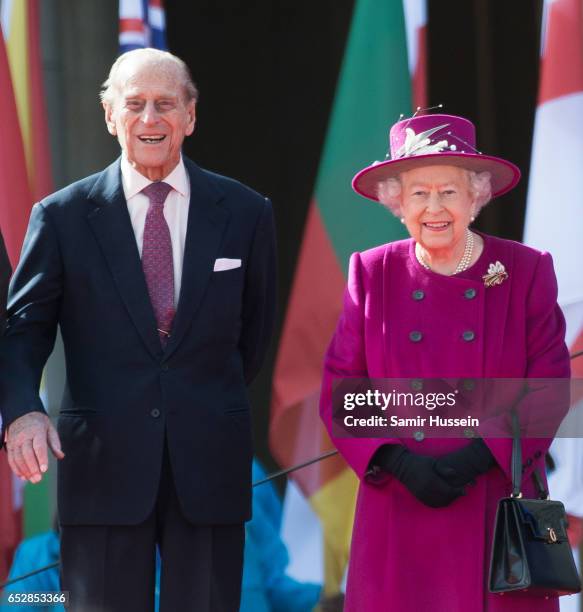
[415, 336]
[468, 335]
[470, 294]
[165, 368]
[418, 294]
[154, 413]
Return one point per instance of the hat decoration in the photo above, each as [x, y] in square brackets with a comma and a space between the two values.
[420, 144]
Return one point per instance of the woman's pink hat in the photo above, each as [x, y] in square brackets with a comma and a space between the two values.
[430, 140]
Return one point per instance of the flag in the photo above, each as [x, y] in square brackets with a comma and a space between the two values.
[373, 89]
[13, 218]
[416, 25]
[554, 216]
[16, 196]
[142, 23]
[25, 176]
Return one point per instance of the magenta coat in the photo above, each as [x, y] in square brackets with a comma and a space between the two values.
[405, 556]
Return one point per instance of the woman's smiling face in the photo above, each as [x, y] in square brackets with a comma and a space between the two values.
[437, 204]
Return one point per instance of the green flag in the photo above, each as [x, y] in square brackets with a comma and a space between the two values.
[373, 90]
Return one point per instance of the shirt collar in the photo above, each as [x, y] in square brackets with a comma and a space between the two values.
[133, 182]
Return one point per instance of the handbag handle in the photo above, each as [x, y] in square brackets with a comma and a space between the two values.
[516, 465]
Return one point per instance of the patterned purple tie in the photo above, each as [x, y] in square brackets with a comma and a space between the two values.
[157, 259]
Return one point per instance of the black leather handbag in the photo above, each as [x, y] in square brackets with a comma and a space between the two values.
[530, 549]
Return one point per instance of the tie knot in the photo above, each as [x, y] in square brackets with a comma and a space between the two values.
[157, 192]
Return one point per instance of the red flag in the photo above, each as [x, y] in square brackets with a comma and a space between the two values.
[15, 198]
[41, 180]
[554, 216]
[19, 188]
[416, 24]
[15, 203]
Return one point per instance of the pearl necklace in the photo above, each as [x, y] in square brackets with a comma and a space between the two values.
[464, 262]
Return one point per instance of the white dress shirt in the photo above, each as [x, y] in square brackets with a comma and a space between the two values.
[175, 210]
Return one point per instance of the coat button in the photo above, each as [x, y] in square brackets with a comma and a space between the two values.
[419, 436]
[468, 335]
[418, 294]
[415, 336]
[417, 384]
[470, 294]
[165, 368]
[154, 413]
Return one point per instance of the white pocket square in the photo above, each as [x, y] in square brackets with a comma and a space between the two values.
[224, 263]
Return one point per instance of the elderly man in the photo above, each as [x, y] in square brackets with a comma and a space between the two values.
[161, 277]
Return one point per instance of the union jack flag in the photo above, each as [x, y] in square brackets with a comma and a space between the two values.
[142, 23]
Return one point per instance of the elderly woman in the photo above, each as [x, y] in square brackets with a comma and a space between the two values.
[448, 302]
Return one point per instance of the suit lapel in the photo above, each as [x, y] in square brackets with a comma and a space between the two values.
[206, 225]
[111, 224]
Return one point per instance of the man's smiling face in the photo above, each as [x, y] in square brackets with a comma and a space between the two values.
[150, 115]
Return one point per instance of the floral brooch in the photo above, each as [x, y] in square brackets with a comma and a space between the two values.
[496, 275]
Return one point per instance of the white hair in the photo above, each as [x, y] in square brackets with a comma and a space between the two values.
[160, 59]
[389, 191]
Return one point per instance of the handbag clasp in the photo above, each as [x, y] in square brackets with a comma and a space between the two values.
[552, 535]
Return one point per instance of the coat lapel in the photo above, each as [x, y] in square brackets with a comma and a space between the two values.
[207, 222]
[111, 224]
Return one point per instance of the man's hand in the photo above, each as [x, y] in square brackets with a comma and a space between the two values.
[26, 443]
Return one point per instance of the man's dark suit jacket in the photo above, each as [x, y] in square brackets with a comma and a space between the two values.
[80, 268]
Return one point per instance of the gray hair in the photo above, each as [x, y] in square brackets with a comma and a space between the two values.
[112, 86]
[389, 191]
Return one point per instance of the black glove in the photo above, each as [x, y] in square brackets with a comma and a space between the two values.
[461, 467]
[417, 473]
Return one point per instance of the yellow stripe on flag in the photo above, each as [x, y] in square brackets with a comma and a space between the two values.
[17, 48]
[334, 503]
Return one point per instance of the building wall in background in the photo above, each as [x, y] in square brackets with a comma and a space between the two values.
[79, 41]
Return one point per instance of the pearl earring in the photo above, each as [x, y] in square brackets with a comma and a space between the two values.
[472, 219]
[402, 219]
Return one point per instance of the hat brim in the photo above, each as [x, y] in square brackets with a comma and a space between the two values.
[505, 175]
